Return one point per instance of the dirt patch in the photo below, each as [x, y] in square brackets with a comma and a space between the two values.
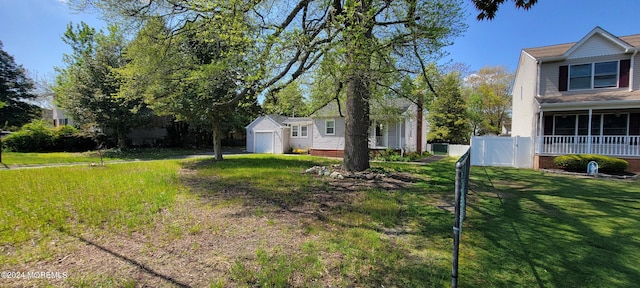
[197, 242]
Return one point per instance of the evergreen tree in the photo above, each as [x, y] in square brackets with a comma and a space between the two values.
[448, 117]
[15, 90]
[87, 88]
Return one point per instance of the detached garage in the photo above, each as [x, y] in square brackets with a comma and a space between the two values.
[268, 134]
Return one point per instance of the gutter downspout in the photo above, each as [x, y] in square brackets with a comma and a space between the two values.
[633, 58]
[539, 63]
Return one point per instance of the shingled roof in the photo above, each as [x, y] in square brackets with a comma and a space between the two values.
[599, 97]
[561, 49]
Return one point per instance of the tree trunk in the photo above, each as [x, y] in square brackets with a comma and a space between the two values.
[356, 142]
[419, 108]
[358, 40]
[122, 138]
[217, 139]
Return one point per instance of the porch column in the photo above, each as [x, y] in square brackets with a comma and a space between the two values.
[540, 132]
[589, 132]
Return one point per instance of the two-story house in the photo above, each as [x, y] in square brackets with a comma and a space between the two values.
[579, 98]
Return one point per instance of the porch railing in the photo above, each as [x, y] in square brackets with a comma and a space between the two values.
[605, 145]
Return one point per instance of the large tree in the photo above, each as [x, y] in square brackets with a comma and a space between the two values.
[186, 74]
[289, 101]
[372, 38]
[448, 115]
[87, 88]
[489, 99]
[292, 36]
[16, 89]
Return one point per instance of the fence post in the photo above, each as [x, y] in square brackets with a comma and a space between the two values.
[461, 187]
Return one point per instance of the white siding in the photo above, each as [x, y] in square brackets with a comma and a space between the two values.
[549, 76]
[321, 141]
[265, 124]
[59, 117]
[396, 133]
[635, 74]
[302, 142]
[410, 126]
[596, 46]
[524, 92]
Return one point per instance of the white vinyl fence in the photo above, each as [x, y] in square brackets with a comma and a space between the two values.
[457, 150]
[502, 151]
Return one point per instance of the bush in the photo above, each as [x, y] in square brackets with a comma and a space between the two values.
[32, 137]
[38, 137]
[70, 139]
[579, 162]
[395, 156]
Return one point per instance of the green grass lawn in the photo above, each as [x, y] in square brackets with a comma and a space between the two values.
[38, 202]
[523, 228]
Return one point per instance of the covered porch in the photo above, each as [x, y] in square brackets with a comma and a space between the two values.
[611, 132]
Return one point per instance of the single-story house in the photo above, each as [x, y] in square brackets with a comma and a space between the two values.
[394, 126]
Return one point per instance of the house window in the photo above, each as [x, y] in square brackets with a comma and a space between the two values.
[615, 124]
[299, 131]
[583, 124]
[565, 125]
[601, 124]
[580, 77]
[596, 75]
[330, 127]
[605, 74]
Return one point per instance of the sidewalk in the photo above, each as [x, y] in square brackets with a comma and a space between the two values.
[45, 165]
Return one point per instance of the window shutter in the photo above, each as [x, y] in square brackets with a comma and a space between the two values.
[624, 73]
[563, 80]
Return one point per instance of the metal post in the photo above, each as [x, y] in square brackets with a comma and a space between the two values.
[456, 243]
[456, 227]
[461, 185]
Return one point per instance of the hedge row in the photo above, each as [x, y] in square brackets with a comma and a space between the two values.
[579, 162]
[38, 137]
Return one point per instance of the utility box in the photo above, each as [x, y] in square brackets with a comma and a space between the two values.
[440, 148]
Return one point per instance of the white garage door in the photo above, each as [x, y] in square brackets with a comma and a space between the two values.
[264, 142]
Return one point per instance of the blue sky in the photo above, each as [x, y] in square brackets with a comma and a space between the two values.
[31, 30]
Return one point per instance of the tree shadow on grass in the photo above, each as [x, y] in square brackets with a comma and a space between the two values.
[555, 231]
[150, 271]
[335, 203]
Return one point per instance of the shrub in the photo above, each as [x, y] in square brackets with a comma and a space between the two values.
[579, 162]
[38, 137]
[395, 156]
[70, 139]
[32, 137]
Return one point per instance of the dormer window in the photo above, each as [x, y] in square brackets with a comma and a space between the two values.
[611, 74]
